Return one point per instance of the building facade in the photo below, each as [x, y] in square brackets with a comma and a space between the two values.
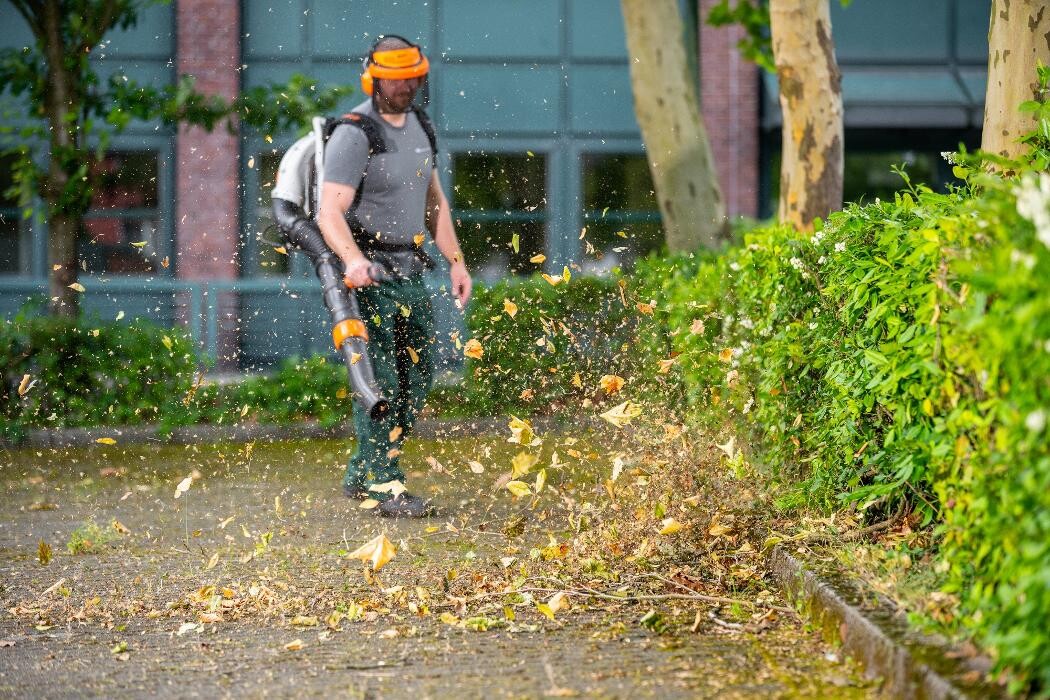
[533, 104]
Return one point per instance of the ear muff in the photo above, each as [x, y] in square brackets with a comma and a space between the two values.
[393, 64]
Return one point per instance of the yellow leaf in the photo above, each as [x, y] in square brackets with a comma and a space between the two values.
[56, 268]
[295, 645]
[281, 249]
[251, 162]
[530, 154]
[541, 481]
[665, 365]
[726, 354]
[577, 380]
[611, 383]
[545, 610]
[341, 392]
[518, 488]
[165, 262]
[718, 529]
[476, 467]
[557, 602]
[552, 281]
[213, 562]
[392, 487]
[355, 357]
[522, 463]
[413, 355]
[77, 287]
[565, 274]
[623, 414]
[510, 307]
[521, 432]
[305, 621]
[537, 258]
[669, 526]
[395, 433]
[106, 441]
[167, 342]
[646, 309]
[368, 504]
[269, 139]
[515, 242]
[379, 551]
[139, 244]
[473, 349]
[418, 239]
[244, 410]
[25, 385]
[120, 528]
[183, 486]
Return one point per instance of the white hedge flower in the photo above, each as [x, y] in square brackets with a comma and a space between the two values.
[840, 247]
[1033, 203]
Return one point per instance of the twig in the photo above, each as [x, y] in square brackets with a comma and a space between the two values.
[53, 587]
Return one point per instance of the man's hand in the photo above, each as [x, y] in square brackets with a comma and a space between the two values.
[461, 283]
[356, 273]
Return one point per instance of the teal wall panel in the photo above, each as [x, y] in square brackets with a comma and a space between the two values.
[153, 35]
[342, 28]
[502, 99]
[895, 87]
[16, 32]
[274, 29]
[596, 30]
[891, 31]
[971, 31]
[507, 28]
[601, 100]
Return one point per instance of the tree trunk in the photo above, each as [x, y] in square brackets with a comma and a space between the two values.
[811, 103]
[668, 111]
[1018, 37]
[63, 221]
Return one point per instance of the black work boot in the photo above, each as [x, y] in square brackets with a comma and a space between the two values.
[405, 505]
[358, 493]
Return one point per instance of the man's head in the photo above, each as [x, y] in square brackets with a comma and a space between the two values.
[394, 71]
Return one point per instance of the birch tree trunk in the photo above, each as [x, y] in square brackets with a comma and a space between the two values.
[811, 104]
[668, 110]
[1018, 37]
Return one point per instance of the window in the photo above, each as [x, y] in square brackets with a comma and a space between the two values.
[12, 223]
[262, 258]
[620, 211]
[121, 231]
[498, 199]
[870, 175]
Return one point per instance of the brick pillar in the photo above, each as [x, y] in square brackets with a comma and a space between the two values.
[729, 101]
[207, 219]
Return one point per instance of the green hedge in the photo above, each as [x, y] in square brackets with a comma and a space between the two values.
[899, 354]
[557, 345]
[87, 372]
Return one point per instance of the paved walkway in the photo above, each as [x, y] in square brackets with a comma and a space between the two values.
[241, 587]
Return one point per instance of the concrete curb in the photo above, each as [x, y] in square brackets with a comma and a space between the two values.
[429, 428]
[877, 636]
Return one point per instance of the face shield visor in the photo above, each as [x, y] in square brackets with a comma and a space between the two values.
[397, 78]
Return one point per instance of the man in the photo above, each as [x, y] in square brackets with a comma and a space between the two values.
[373, 209]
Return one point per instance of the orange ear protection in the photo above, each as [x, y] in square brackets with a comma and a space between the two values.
[394, 64]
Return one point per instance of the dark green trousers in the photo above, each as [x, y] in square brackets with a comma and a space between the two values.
[400, 325]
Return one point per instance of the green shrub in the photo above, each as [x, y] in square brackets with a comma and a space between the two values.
[558, 344]
[89, 372]
[898, 355]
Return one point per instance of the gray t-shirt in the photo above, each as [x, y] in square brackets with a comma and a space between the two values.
[394, 189]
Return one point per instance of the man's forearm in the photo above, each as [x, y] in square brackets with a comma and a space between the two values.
[337, 235]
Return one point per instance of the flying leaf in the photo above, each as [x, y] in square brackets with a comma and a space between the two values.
[665, 365]
[522, 463]
[726, 354]
[646, 309]
[395, 433]
[577, 380]
[139, 244]
[510, 307]
[557, 602]
[622, 414]
[611, 383]
[521, 433]
[379, 551]
[545, 610]
[295, 645]
[553, 281]
[355, 357]
[418, 239]
[476, 467]
[25, 385]
[412, 354]
[565, 274]
[183, 486]
[538, 258]
[617, 467]
[120, 315]
[473, 349]
[515, 242]
[77, 287]
[518, 488]
[281, 249]
[251, 162]
[213, 562]
[541, 481]
[167, 342]
[669, 526]
[106, 441]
